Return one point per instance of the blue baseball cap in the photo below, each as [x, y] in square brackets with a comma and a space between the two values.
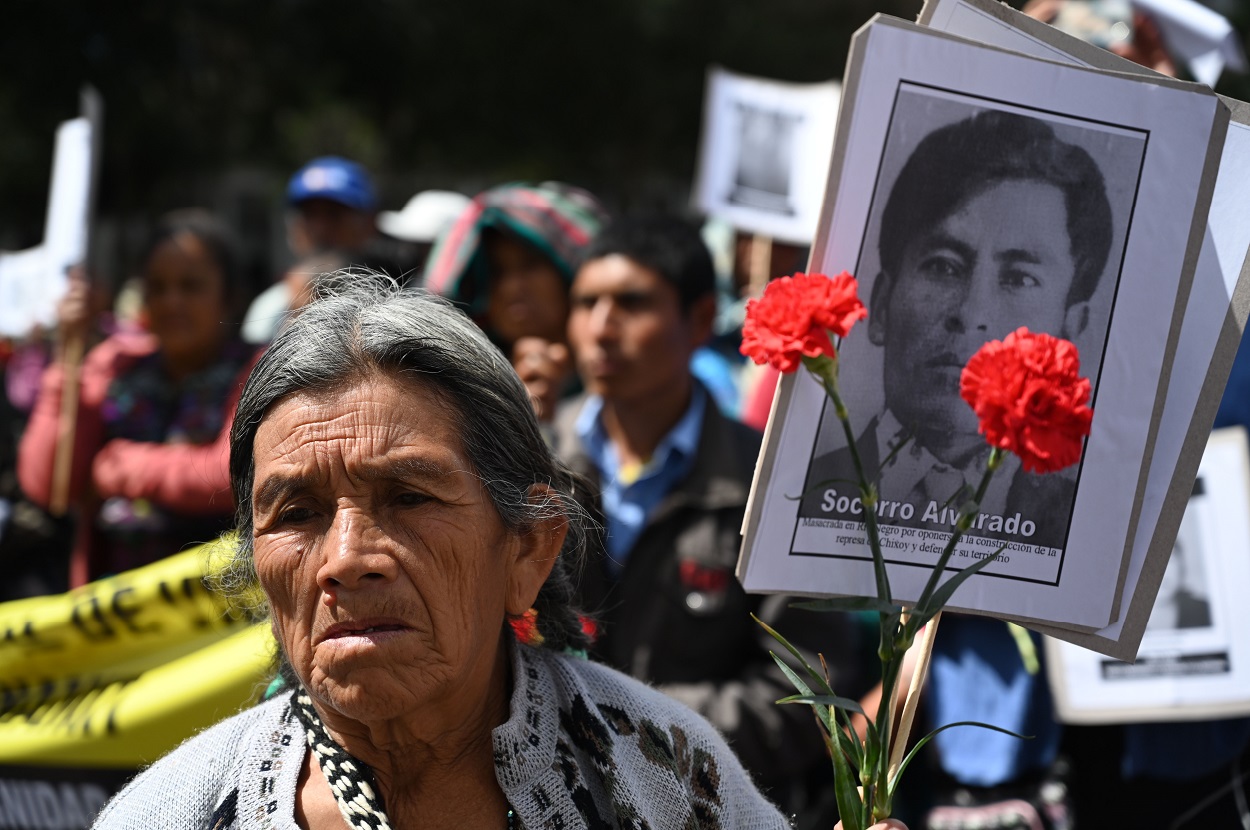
[336, 179]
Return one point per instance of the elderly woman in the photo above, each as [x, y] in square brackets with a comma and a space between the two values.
[399, 509]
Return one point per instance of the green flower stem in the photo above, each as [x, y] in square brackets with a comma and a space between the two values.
[962, 525]
[876, 802]
[896, 631]
[825, 370]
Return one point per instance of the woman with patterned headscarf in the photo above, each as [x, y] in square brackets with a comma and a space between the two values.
[509, 261]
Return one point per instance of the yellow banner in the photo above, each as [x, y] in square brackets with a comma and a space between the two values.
[118, 672]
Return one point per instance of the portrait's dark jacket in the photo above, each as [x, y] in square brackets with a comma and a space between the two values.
[1192, 611]
[1044, 499]
[678, 618]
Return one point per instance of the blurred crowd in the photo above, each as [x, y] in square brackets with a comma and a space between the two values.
[624, 329]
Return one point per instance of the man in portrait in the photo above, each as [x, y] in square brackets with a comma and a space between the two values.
[994, 222]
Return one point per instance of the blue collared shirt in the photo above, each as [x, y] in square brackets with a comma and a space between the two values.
[630, 496]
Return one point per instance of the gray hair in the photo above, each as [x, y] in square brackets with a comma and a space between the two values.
[361, 323]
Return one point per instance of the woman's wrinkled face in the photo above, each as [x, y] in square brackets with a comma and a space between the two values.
[384, 560]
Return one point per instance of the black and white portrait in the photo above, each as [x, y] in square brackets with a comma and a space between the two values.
[765, 157]
[1183, 600]
[984, 218]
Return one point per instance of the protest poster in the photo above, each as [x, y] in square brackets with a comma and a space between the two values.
[22, 291]
[926, 109]
[1214, 316]
[33, 281]
[1193, 662]
[764, 153]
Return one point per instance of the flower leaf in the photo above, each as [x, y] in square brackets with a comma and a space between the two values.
[947, 589]
[821, 683]
[825, 700]
[850, 807]
[790, 673]
[898, 776]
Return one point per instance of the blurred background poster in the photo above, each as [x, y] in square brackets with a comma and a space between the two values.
[1192, 663]
[764, 153]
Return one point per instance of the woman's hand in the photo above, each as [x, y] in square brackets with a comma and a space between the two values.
[888, 824]
[543, 367]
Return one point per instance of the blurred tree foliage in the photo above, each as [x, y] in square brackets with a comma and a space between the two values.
[426, 93]
[605, 94]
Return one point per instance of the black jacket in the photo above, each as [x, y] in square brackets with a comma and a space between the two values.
[678, 618]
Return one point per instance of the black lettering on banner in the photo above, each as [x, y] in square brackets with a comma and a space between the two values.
[27, 639]
[127, 612]
[94, 627]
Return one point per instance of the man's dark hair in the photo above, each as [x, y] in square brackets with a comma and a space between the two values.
[956, 162]
[670, 247]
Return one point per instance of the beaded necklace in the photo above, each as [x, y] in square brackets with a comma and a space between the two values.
[350, 779]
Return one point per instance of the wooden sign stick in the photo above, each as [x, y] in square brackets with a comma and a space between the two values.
[71, 362]
[899, 745]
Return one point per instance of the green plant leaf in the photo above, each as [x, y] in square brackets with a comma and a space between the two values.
[947, 589]
[850, 807]
[825, 700]
[799, 683]
[823, 713]
[898, 775]
[850, 742]
[848, 604]
[821, 683]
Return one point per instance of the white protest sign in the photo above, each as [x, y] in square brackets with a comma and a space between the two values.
[764, 155]
[1194, 660]
[920, 107]
[32, 281]
[21, 289]
[1213, 316]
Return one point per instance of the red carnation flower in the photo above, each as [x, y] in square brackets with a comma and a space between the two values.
[1030, 399]
[795, 317]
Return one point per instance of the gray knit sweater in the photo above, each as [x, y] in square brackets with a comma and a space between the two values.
[585, 746]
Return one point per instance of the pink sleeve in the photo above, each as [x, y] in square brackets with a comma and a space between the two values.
[37, 451]
[192, 479]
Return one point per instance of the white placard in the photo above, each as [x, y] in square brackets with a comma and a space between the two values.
[1209, 315]
[764, 154]
[1066, 534]
[44, 276]
[1200, 37]
[1194, 660]
[22, 276]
